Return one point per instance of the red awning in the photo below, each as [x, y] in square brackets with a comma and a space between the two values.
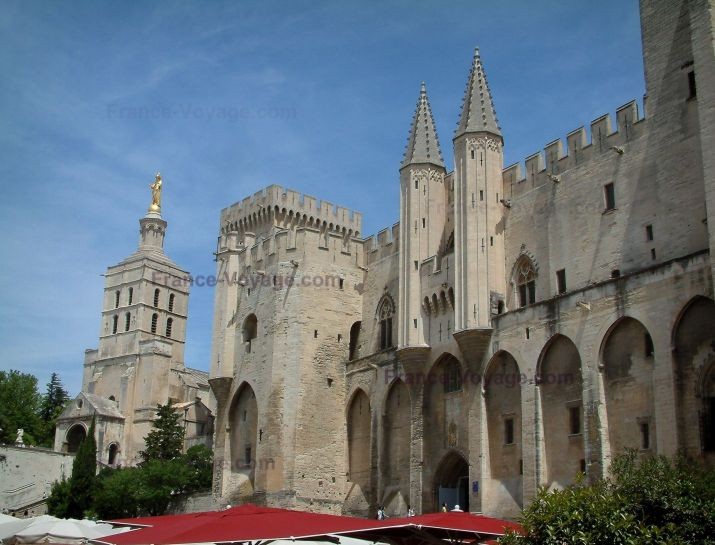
[242, 523]
[253, 523]
[461, 522]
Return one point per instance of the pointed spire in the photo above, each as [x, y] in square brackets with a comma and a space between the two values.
[422, 144]
[478, 113]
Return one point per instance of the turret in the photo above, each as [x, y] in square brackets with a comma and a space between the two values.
[421, 217]
[479, 243]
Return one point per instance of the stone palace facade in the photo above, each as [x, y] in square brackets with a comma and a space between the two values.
[518, 325]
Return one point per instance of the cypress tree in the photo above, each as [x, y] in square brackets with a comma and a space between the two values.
[82, 483]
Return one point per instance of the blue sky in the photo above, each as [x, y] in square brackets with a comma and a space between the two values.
[225, 98]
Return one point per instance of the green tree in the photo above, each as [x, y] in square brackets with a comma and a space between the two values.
[166, 440]
[53, 402]
[58, 501]
[645, 501]
[164, 483]
[19, 407]
[82, 483]
[199, 460]
[118, 492]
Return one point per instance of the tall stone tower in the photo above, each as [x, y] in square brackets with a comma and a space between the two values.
[422, 215]
[140, 359]
[478, 208]
[286, 297]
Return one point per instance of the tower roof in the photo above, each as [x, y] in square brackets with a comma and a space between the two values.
[422, 144]
[478, 113]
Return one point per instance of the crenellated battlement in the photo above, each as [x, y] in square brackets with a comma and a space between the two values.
[282, 207]
[383, 244]
[555, 159]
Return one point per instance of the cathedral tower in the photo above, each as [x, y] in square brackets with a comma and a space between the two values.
[139, 362]
[478, 207]
[421, 217]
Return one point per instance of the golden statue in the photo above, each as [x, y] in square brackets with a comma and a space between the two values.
[156, 194]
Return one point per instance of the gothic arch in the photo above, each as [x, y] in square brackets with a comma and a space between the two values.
[502, 382]
[384, 314]
[693, 342]
[627, 364]
[359, 433]
[397, 440]
[243, 426]
[561, 401]
[451, 481]
[523, 280]
[444, 408]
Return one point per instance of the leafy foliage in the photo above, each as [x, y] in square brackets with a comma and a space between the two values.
[648, 501]
[154, 487]
[199, 459]
[58, 501]
[166, 440]
[19, 407]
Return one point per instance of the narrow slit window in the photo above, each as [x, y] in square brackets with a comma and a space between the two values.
[156, 297]
[169, 323]
[652, 253]
[575, 420]
[154, 322]
[561, 280]
[171, 303]
[692, 89]
[115, 323]
[131, 295]
[645, 435]
[116, 299]
[127, 321]
[509, 431]
[649, 232]
[609, 194]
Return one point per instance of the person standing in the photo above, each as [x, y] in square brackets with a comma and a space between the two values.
[410, 511]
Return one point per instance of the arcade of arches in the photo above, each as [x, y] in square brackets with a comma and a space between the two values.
[577, 411]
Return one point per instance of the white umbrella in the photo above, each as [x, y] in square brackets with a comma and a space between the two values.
[7, 518]
[10, 528]
[69, 531]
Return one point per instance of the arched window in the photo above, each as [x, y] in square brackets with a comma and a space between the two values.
[154, 321]
[169, 323]
[171, 303]
[115, 323]
[112, 457]
[127, 321]
[385, 312]
[131, 296]
[116, 299]
[452, 376]
[525, 280]
[354, 338]
[250, 331]
[156, 297]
